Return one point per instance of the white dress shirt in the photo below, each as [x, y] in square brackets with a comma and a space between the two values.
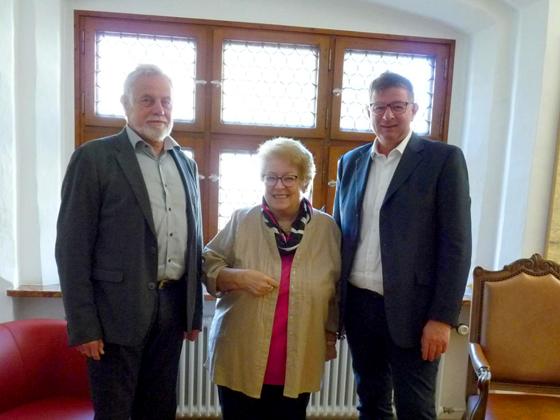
[367, 270]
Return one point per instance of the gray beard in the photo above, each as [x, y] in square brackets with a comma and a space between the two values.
[154, 133]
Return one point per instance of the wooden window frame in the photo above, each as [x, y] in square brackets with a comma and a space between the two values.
[313, 40]
[87, 54]
[440, 51]
[207, 136]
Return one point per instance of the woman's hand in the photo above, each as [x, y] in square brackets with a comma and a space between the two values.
[257, 283]
[331, 346]
[252, 281]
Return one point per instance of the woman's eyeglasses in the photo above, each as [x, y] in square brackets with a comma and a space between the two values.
[287, 180]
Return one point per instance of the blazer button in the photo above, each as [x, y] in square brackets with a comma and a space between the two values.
[153, 250]
[151, 286]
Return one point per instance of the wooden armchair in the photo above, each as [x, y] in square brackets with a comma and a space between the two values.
[514, 349]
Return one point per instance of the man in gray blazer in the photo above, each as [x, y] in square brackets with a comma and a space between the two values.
[128, 252]
[403, 207]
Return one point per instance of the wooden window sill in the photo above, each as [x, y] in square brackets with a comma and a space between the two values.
[42, 291]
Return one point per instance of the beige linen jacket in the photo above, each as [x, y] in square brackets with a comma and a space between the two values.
[239, 336]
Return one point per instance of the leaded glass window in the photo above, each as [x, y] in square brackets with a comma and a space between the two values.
[239, 183]
[362, 66]
[118, 53]
[270, 84]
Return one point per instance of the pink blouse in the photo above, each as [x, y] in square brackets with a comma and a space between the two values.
[276, 366]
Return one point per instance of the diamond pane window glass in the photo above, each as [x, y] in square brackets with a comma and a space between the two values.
[361, 67]
[239, 183]
[269, 84]
[117, 54]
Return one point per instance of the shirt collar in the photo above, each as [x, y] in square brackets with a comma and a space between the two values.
[134, 138]
[399, 149]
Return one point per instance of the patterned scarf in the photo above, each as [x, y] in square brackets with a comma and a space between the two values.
[288, 243]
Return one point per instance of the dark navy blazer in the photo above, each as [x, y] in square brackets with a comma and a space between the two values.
[425, 233]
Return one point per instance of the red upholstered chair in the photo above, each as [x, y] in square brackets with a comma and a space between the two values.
[515, 342]
[40, 376]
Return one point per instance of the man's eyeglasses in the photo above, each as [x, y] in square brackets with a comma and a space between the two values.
[397, 107]
[287, 180]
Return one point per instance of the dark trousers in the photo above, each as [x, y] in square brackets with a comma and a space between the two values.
[271, 406]
[140, 382]
[383, 369]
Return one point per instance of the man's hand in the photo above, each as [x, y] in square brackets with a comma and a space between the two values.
[331, 346]
[192, 335]
[92, 349]
[435, 339]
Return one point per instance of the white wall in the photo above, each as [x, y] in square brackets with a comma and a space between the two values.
[34, 88]
[547, 126]
[8, 270]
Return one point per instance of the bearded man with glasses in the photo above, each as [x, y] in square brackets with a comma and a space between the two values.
[403, 206]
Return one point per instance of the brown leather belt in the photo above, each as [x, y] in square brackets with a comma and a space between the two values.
[162, 284]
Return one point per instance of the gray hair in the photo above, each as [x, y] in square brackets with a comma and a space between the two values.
[292, 151]
[141, 70]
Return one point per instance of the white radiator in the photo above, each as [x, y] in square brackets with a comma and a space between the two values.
[198, 396]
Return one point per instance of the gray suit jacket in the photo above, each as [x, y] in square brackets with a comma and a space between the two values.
[106, 246]
[425, 233]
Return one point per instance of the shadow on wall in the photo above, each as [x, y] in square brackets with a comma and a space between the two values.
[6, 303]
[14, 308]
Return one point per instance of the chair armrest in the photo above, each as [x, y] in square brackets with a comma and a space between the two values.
[478, 358]
[482, 369]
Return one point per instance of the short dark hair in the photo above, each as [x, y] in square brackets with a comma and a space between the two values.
[388, 80]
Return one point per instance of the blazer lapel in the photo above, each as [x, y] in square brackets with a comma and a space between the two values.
[190, 189]
[129, 164]
[411, 157]
[362, 165]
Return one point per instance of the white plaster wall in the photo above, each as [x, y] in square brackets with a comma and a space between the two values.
[31, 307]
[38, 132]
[486, 132]
[547, 129]
[523, 142]
[8, 260]
[7, 143]
[48, 125]
[28, 231]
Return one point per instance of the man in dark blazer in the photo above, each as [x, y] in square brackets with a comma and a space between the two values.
[128, 251]
[403, 206]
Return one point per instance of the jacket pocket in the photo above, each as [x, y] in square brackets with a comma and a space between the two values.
[107, 275]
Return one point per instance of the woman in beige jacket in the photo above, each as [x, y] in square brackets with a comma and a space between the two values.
[275, 270]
